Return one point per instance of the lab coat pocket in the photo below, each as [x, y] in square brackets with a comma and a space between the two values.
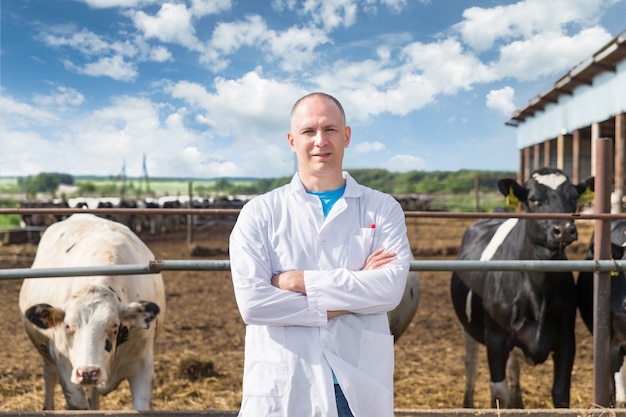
[266, 369]
[376, 356]
[360, 248]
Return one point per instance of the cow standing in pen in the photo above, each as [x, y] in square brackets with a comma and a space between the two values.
[618, 309]
[93, 332]
[529, 311]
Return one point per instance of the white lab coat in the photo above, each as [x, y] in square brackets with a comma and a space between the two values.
[290, 345]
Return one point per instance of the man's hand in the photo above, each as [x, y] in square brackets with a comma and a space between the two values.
[290, 281]
[378, 259]
[294, 280]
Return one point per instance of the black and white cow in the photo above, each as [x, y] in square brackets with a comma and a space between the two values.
[529, 311]
[618, 309]
[400, 317]
[93, 332]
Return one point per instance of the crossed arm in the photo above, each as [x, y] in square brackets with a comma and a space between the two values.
[294, 280]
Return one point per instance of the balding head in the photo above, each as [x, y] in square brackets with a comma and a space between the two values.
[319, 95]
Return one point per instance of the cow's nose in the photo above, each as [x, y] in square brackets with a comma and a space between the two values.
[88, 376]
[564, 232]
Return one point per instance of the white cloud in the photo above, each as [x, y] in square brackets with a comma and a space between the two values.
[114, 67]
[446, 65]
[63, 98]
[405, 163]
[229, 37]
[501, 100]
[171, 24]
[394, 5]
[482, 27]
[331, 13]
[103, 4]
[548, 53]
[295, 46]
[40, 153]
[414, 79]
[292, 48]
[206, 7]
[367, 147]
[160, 54]
[17, 114]
[251, 110]
[84, 41]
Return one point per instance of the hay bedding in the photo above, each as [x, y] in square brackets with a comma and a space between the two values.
[199, 353]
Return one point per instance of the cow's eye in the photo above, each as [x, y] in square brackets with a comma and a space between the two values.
[68, 329]
[535, 202]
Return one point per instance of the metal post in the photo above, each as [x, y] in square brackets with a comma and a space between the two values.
[602, 280]
[477, 194]
[190, 217]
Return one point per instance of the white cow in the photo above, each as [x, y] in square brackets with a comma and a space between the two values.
[93, 332]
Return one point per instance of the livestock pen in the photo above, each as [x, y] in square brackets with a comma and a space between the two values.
[209, 373]
[202, 382]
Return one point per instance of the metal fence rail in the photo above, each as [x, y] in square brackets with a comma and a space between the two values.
[224, 265]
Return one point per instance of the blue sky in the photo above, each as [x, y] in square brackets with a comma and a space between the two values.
[203, 88]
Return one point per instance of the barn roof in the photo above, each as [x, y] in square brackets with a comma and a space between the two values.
[606, 59]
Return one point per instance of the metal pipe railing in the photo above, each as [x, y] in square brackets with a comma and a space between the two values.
[224, 265]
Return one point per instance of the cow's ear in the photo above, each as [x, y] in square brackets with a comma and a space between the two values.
[512, 191]
[585, 190]
[140, 314]
[44, 316]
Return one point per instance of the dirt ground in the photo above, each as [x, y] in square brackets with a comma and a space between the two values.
[199, 355]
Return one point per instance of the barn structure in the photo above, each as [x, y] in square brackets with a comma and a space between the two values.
[559, 127]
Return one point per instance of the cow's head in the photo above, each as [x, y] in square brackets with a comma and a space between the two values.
[89, 331]
[618, 282]
[548, 190]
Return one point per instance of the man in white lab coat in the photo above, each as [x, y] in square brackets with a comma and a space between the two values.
[316, 266]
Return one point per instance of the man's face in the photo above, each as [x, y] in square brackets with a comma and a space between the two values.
[318, 137]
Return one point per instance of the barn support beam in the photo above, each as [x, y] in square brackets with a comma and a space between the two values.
[602, 280]
[620, 163]
[520, 171]
[560, 152]
[537, 156]
[595, 135]
[576, 157]
[526, 172]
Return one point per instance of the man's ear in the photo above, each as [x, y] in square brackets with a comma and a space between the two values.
[291, 140]
[348, 132]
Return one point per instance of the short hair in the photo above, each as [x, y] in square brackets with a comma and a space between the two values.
[320, 94]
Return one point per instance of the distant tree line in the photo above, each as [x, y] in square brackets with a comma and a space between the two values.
[44, 182]
[418, 182]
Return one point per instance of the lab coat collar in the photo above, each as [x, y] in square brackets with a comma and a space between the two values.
[352, 187]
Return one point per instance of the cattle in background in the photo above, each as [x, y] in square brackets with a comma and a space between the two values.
[93, 332]
[172, 222]
[618, 309]
[533, 311]
[414, 202]
[35, 224]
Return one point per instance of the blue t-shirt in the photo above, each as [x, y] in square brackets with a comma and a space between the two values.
[328, 199]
